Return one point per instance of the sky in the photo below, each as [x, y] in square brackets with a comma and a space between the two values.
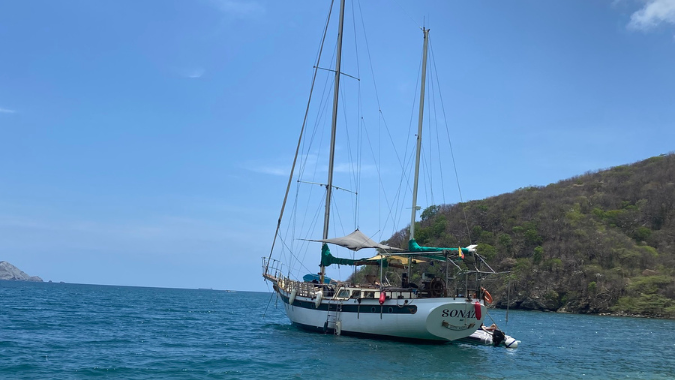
[149, 143]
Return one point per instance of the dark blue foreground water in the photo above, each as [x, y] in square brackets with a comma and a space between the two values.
[65, 331]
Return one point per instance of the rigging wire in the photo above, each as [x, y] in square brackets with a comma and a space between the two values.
[432, 75]
[268, 302]
[380, 112]
[380, 119]
[349, 143]
[294, 257]
[308, 158]
[290, 178]
[336, 211]
[408, 14]
[427, 168]
[430, 168]
[312, 225]
[339, 218]
[323, 110]
[389, 203]
[454, 164]
[410, 133]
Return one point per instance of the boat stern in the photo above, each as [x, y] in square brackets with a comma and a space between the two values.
[455, 320]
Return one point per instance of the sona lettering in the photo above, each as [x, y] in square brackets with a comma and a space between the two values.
[458, 313]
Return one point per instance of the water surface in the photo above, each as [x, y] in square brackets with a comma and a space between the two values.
[67, 331]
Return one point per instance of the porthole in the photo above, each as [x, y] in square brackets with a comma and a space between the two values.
[372, 309]
[391, 309]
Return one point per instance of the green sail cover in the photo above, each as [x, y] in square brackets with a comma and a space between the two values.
[414, 247]
[327, 259]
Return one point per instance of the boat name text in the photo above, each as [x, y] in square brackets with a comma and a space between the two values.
[459, 313]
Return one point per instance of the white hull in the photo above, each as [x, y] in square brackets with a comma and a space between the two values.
[435, 319]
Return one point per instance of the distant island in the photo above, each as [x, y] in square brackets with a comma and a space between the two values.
[12, 273]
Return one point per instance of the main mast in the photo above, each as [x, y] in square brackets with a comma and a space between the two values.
[419, 133]
[331, 159]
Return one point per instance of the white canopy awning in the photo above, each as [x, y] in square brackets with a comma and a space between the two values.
[357, 240]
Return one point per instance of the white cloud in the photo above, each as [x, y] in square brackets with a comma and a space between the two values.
[311, 165]
[652, 14]
[270, 170]
[239, 8]
[308, 161]
[195, 73]
[6, 110]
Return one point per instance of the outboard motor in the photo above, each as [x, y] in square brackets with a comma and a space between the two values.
[497, 337]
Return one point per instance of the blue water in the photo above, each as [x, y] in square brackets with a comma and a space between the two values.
[66, 331]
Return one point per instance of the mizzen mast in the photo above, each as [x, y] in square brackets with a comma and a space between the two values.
[419, 133]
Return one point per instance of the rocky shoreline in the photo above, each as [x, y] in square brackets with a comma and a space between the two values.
[538, 304]
[9, 272]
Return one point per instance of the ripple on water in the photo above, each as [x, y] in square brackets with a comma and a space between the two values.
[82, 331]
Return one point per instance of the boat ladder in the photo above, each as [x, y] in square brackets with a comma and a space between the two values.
[333, 319]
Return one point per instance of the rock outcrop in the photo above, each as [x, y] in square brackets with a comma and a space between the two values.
[12, 273]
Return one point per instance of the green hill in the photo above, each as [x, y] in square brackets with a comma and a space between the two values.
[602, 242]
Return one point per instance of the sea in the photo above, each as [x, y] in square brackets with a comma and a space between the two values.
[69, 331]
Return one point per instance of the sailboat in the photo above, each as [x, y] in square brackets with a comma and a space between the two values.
[432, 310]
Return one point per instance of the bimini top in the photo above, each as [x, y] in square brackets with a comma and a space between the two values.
[357, 240]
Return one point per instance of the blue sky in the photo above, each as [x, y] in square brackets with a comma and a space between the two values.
[147, 143]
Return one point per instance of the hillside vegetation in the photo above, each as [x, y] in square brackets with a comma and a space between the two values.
[602, 242]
